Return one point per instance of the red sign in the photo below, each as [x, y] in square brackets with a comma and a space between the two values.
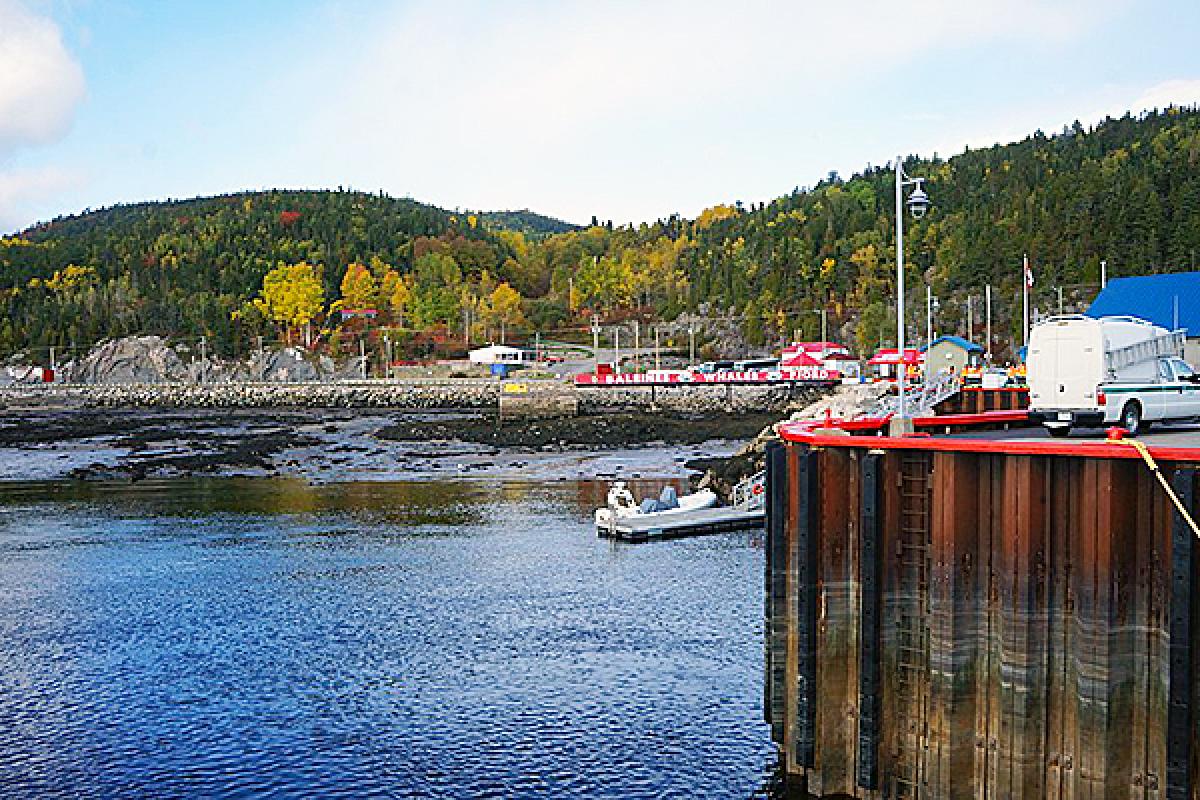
[750, 376]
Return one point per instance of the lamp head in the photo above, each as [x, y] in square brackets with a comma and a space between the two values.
[918, 201]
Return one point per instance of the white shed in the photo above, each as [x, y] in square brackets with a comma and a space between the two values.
[498, 354]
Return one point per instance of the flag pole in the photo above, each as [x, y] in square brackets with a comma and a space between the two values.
[1025, 299]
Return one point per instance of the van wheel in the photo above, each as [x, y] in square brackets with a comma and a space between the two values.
[1058, 431]
[1131, 418]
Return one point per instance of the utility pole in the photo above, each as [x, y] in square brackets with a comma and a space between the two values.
[203, 360]
[537, 346]
[596, 336]
[362, 358]
[571, 293]
[637, 345]
[617, 349]
[928, 315]
[970, 320]
[387, 356]
[691, 343]
[988, 311]
[1060, 301]
[53, 366]
[1103, 274]
[657, 362]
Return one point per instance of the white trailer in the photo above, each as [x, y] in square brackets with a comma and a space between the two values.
[1089, 372]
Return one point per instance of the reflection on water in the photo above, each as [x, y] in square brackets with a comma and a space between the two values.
[433, 639]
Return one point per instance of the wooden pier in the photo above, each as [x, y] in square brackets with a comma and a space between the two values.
[956, 618]
[684, 523]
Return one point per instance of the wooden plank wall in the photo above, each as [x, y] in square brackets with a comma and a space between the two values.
[1058, 606]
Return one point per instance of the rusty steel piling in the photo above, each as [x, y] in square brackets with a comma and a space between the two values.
[966, 619]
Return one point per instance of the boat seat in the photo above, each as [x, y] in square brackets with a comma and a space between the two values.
[668, 499]
[650, 505]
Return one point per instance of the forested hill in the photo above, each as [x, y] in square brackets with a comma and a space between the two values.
[1127, 191]
[525, 221]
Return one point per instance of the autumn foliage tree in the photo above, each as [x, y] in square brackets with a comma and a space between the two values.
[359, 290]
[502, 309]
[292, 296]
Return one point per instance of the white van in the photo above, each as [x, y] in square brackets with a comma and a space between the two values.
[1090, 372]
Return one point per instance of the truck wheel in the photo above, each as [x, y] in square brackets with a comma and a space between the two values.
[1131, 417]
[1058, 431]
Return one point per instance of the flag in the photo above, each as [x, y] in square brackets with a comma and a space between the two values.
[1028, 274]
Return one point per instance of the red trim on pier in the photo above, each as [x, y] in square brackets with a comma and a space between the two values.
[810, 432]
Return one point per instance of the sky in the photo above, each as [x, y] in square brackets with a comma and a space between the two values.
[628, 111]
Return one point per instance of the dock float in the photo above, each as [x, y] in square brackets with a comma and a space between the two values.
[686, 523]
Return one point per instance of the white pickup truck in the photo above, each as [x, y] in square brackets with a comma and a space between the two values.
[1089, 372]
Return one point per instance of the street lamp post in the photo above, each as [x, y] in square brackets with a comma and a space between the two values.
[918, 204]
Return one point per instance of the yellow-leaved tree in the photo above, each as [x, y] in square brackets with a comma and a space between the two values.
[400, 297]
[503, 308]
[292, 296]
[359, 290]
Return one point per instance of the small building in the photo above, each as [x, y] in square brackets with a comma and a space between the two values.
[952, 354]
[829, 355]
[883, 364]
[501, 358]
[821, 351]
[499, 354]
[1170, 301]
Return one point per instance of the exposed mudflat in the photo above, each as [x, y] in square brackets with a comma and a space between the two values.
[626, 429]
[323, 445]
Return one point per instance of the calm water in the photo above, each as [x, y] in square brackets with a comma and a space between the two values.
[259, 637]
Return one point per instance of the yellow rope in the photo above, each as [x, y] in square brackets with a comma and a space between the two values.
[1150, 462]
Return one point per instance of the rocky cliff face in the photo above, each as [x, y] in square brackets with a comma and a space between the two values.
[149, 359]
[289, 365]
[136, 359]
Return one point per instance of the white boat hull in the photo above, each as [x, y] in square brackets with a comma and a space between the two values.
[705, 498]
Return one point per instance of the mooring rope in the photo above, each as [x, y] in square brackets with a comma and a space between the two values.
[1153, 465]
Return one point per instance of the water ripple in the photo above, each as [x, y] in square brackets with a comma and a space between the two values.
[455, 641]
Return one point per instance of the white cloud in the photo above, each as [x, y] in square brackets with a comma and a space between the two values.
[462, 104]
[22, 191]
[1014, 124]
[1168, 93]
[40, 83]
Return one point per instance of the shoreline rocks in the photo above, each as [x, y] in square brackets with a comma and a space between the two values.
[466, 394]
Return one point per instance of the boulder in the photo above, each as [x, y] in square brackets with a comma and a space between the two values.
[289, 365]
[134, 359]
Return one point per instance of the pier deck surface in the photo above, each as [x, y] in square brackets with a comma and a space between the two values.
[1176, 435]
[685, 523]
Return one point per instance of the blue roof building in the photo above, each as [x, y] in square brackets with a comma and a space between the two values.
[1171, 301]
[957, 341]
[951, 354]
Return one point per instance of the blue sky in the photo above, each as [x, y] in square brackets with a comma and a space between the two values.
[625, 110]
